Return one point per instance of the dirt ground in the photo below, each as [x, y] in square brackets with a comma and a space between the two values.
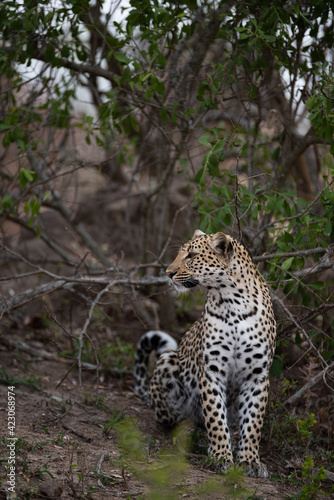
[68, 446]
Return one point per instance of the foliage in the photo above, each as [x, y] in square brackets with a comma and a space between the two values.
[320, 104]
[311, 483]
[165, 477]
[157, 478]
[311, 490]
[118, 354]
[115, 420]
[9, 380]
[169, 67]
[304, 427]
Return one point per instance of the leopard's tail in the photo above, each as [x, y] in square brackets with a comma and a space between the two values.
[154, 340]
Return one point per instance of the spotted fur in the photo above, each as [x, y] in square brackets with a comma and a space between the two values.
[224, 358]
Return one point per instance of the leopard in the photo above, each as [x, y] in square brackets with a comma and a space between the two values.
[218, 375]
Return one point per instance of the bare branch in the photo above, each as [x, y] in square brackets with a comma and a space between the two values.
[305, 389]
[299, 327]
[7, 304]
[284, 255]
[59, 205]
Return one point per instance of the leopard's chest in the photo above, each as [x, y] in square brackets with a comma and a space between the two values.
[236, 342]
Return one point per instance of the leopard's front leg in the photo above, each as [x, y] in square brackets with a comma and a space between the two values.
[213, 398]
[253, 398]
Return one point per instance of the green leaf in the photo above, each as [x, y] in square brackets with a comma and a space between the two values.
[199, 178]
[65, 51]
[328, 228]
[277, 366]
[121, 57]
[311, 101]
[317, 285]
[288, 238]
[27, 207]
[204, 140]
[287, 264]
[5, 126]
[26, 176]
[49, 53]
[270, 38]
[46, 195]
[7, 201]
[161, 61]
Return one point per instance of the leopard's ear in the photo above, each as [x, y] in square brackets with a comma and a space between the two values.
[197, 233]
[222, 244]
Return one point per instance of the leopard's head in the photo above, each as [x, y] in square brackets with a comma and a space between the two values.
[204, 260]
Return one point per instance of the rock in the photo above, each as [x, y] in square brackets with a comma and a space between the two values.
[51, 488]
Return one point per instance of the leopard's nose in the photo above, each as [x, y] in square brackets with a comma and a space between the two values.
[170, 274]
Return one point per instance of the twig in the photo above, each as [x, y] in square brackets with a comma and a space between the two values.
[299, 327]
[300, 358]
[72, 337]
[67, 373]
[7, 304]
[29, 263]
[98, 472]
[84, 330]
[47, 240]
[58, 204]
[11, 343]
[283, 255]
[299, 394]
[99, 463]
[316, 268]
[293, 217]
[236, 203]
[172, 230]
[77, 433]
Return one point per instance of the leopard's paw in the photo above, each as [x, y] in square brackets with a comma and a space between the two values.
[223, 466]
[254, 469]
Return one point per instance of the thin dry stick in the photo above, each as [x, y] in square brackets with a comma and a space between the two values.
[294, 321]
[98, 472]
[81, 336]
[299, 394]
[53, 318]
[7, 304]
[66, 374]
[58, 204]
[78, 433]
[172, 230]
[236, 203]
[307, 272]
[293, 217]
[84, 329]
[41, 354]
[328, 304]
[300, 358]
[283, 255]
[29, 263]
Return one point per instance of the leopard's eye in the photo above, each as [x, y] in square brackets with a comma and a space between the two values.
[190, 255]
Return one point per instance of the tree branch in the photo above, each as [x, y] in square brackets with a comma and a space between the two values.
[284, 255]
[62, 208]
[7, 304]
[303, 391]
